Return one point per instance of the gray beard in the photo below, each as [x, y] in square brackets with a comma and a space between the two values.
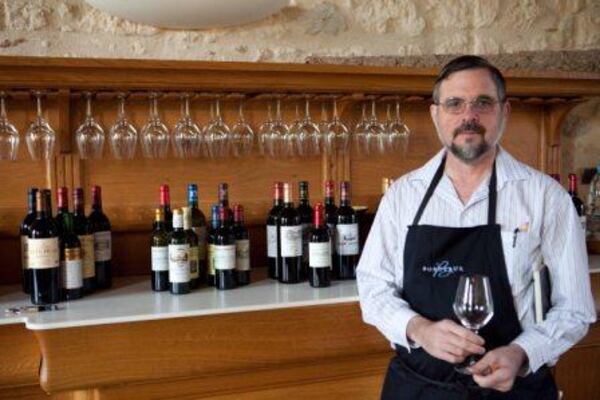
[469, 154]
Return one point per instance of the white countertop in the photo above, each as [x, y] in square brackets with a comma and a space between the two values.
[131, 299]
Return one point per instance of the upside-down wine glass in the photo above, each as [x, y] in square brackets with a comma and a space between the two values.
[123, 135]
[242, 135]
[9, 135]
[155, 134]
[187, 135]
[40, 136]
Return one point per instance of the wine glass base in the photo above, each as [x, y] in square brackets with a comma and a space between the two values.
[464, 366]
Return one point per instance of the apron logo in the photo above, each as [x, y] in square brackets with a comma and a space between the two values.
[442, 269]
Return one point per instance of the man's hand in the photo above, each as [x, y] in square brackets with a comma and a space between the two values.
[444, 339]
[499, 367]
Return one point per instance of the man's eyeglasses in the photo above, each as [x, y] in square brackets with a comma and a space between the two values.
[482, 105]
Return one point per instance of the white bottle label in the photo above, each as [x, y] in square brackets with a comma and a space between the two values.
[102, 246]
[271, 241]
[194, 273]
[291, 241]
[43, 253]
[242, 255]
[319, 255]
[224, 256]
[72, 269]
[160, 258]
[24, 251]
[347, 239]
[179, 263]
[201, 232]
[87, 256]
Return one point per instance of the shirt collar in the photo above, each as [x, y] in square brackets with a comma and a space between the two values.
[507, 168]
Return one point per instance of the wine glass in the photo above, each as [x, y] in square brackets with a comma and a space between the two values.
[217, 134]
[9, 135]
[264, 131]
[375, 132]
[187, 135]
[291, 141]
[308, 135]
[361, 133]
[242, 135]
[89, 135]
[123, 135]
[398, 132]
[338, 133]
[474, 307]
[278, 133]
[40, 136]
[155, 134]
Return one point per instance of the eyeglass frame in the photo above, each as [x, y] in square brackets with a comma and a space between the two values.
[473, 104]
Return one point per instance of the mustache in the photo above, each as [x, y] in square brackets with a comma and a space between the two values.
[472, 126]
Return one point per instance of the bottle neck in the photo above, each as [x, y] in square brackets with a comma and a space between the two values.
[319, 218]
[329, 201]
[96, 199]
[43, 205]
[31, 201]
[573, 184]
[68, 223]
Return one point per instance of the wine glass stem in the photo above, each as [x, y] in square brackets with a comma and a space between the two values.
[307, 109]
[39, 105]
[2, 107]
[335, 112]
[241, 110]
[122, 107]
[217, 109]
[88, 106]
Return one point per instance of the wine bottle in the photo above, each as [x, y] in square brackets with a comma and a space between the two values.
[199, 228]
[159, 245]
[273, 240]
[70, 259]
[346, 237]
[193, 241]
[210, 259]
[330, 216]
[179, 257]
[579, 206]
[165, 204]
[242, 247]
[86, 238]
[62, 204]
[319, 249]
[43, 252]
[224, 202]
[290, 232]
[100, 227]
[306, 218]
[224, 254]
[24, 232]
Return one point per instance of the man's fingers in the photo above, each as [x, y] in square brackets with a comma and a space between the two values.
[484, 366]
[464, 333]
[494, 380]
[467, 346]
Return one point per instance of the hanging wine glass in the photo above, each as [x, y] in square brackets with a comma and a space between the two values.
[40, 136]
[264, 131]
[123, 135]
[291, 145]
[187, 135]
[308, 139]
[242, 134]
[324, 122]
[217, 134]
[9, 135]
[155, 134]
[89, 135]
[338, 133]
[361, 133]
[375, 132]
[402, 130]
[278, 133]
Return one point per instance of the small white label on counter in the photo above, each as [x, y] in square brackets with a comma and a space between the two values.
[347, 239]
[291, 241]
[160, 258]
[102, 246]
[319, 255]
[179, 263]
[72, 269]
[271, 241]
[87, 255]
[43, 253]
[224, 256]
[242, 255]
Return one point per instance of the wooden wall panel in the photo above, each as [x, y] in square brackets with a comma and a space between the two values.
[19, 357]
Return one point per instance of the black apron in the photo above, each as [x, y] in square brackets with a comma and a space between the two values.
[434, 259]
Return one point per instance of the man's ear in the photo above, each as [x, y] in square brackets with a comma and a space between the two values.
[433, 110]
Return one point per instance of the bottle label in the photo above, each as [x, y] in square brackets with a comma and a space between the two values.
[160, 258]
[242, 255]
[87, 256]
[291, 241]
[72, 269]
[271, 241]
[224, 256]
[347, 239]
[102, 246]
[43, 253]
[194, 274]
[200, 231]
[306, 229]
[24, 251]
[179, 263]
[210, 259]
[319, 255]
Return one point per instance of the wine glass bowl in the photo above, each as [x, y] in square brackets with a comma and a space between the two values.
[123, 135]
[40, 136]
[187, 135]
[338, 134]
[242, 135]
[474, 308]
[397, 131]
[9, 135]
[155, 134]
[217, 134]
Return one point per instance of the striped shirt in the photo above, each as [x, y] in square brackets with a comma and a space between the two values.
[549, 229]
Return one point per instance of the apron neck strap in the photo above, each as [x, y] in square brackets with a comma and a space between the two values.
[436, 179]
